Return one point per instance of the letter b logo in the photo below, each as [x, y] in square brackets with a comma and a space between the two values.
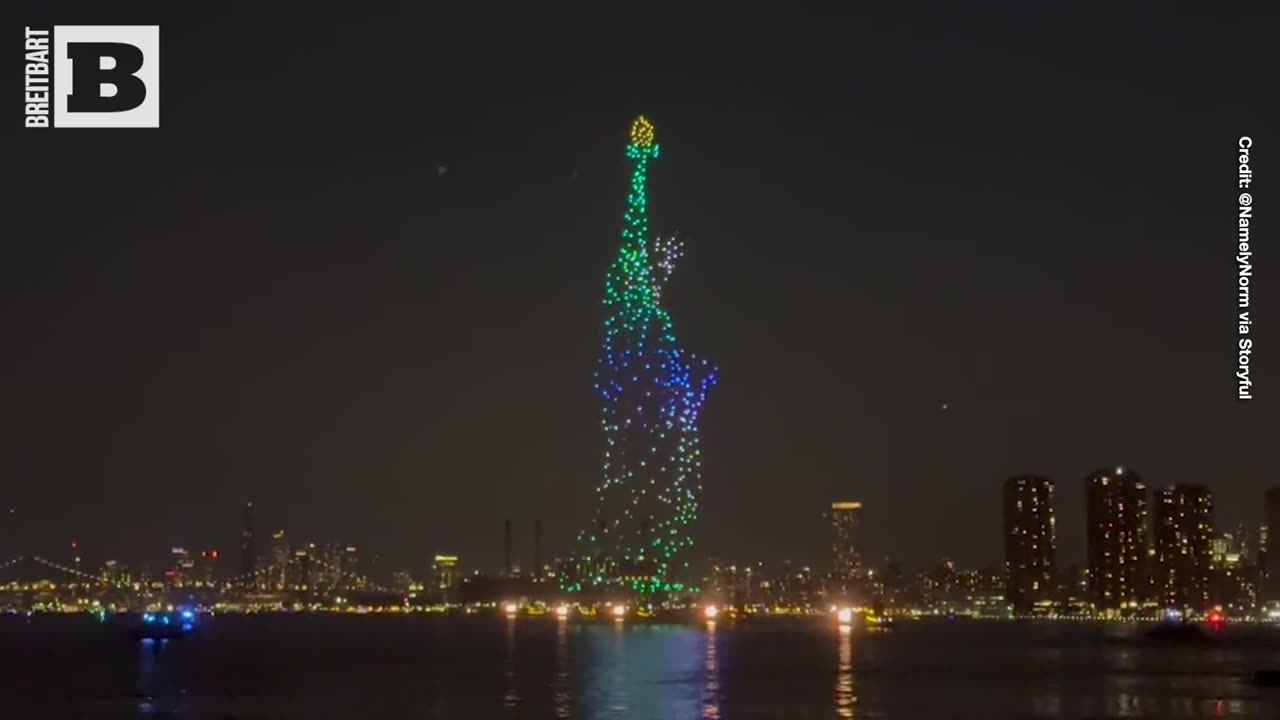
[106, 76]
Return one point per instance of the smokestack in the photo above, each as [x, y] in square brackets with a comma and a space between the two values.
[537, 549]
[506, 547]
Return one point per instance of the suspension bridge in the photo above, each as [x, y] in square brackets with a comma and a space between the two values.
[35, 572]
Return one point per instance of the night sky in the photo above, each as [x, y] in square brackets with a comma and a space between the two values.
[355, 277]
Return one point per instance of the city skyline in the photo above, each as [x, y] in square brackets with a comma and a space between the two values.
[1167, 535]
[1149, 555]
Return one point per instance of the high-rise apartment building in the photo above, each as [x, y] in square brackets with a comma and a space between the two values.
[1116, 512]
[1029, 540]
[1183, 534]
[846, 561]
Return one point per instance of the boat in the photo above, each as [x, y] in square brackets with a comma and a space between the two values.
[167, 625]
[879, 622]
[1178, 632]
[1269, 678]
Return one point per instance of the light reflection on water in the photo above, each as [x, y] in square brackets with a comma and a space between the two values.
[561, 696]
[648, 671]
[511, 697]
[844, 674]
[711, 670]
[147, 650]
[327, 669]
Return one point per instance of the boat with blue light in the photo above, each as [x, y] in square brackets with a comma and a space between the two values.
[166, 625]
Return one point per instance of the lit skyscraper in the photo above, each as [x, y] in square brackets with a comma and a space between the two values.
[206, 570]
[1116, 510]
[846, 562]
[1263, 543]
[508, 562]
[248, 553]
[536, 570]
[301, 575]
[349, 562]
[445, 576]
[328, 563]
[279, 561]
[182, 573]
[1242, 542]
[1183, 544]
[1029, 540]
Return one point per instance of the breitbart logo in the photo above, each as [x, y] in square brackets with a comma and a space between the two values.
[92, 76]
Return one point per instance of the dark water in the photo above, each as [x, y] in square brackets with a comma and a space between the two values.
[367, 668]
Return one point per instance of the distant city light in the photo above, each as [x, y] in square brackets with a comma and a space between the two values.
[619, 611]
[844, 615]
[711, 611]
[511, 608]
[562, 612]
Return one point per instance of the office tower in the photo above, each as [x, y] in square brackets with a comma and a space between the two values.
[328, 562]
[279, 579]
[846, 562]
[446, 576]
[1221, 547]
[349, 562]
[248, 553]
[301, 573]
[1271, 581]
[1232, 583]
[1029, 541]
[1261, 560]
[1184, 545]
[207, 569]
[1260, 572]
[537, 549]
[1116, 511]
[402, 582]
[507, 567]
[115, 572]
[1242, 543]
[181, 573]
